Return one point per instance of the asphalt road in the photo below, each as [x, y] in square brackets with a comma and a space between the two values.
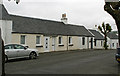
[69, 62]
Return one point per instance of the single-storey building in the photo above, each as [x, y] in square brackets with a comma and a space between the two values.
[44, 35]
[98, 40]
[112, 40]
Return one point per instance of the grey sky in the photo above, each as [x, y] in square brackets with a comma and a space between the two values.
[79, 12]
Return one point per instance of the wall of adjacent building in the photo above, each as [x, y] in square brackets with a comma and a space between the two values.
[113, 43]
[99, 44]
[6, 29]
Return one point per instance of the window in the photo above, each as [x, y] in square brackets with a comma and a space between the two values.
[18, 47]
[60, 40]
[101, 43]
[113, 44]
[38, 40]
[70, 40]
[95, 42]
[22, 39]
[83, 41]
[8, 47]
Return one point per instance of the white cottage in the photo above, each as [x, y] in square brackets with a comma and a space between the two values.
[98, 40]
[44, 35]
[112, 40]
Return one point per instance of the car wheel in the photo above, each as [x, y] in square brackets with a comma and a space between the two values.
[32, 55]
[6, 58]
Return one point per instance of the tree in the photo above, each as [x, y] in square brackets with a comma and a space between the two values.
[113, 8]
[105, 29]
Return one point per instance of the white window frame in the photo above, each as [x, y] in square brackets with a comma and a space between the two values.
[39, 43]
[24, 39]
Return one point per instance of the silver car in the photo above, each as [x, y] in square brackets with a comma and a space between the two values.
[13, 51]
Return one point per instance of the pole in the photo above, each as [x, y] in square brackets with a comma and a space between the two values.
[2, 59]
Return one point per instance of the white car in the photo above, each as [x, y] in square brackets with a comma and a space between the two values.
[13, 51]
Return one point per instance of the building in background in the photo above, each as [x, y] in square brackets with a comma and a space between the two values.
[98, 40]
[113, 40]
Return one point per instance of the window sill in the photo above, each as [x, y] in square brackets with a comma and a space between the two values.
[70, 44]
[39, 45]
[60, 45]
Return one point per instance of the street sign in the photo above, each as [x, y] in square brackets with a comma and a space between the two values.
[0, 54]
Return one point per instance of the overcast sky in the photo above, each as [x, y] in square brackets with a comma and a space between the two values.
[79, 12]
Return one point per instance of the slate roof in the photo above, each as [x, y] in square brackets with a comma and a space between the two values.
[46, 27]
[98, 35]
[3, 13]
[112, 35]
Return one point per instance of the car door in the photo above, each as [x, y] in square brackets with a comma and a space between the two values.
[21, 51]
[10, 51]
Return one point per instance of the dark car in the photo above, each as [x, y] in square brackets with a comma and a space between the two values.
[118, 55]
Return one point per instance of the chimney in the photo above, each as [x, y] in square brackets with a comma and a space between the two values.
[64, 19]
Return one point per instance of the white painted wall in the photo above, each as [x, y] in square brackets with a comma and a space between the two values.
[6, 30]
[83, 46]
[110, 43]
[98, 44]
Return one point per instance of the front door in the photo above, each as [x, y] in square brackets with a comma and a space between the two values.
[53, 43]
[91, 43]
[46, 44]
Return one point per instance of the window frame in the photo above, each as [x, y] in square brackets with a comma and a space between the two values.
[38, 42]
[60, 40]
[23, 39]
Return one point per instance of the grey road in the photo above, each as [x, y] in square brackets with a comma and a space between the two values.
[69, 62]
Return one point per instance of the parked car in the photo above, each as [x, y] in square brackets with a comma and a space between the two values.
[118, 55]
[13, 51]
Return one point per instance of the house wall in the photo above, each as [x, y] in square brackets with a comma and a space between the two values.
[113, 43]
[6, 29]
[63, 46]
[87, 43]
[31, 42]
[90, 45]
[75, 43]
[99, 44]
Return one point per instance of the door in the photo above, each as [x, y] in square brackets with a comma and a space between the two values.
[21, 51]
[53, 43]
[10, 51]
[91, 43]
[46, 44]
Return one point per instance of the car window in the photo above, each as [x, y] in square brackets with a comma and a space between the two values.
[18, 47]
[8, 47]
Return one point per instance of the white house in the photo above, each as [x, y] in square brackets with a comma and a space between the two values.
[44, 35]
[112, 40]
[98, 40]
